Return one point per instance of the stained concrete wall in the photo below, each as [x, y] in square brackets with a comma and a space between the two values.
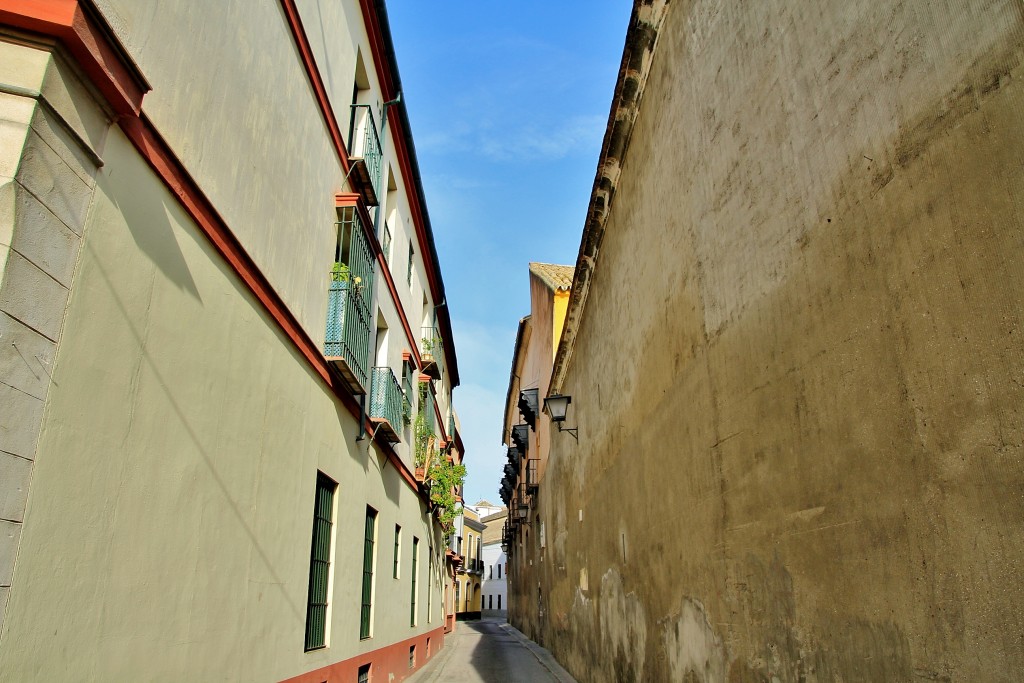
[798, 375]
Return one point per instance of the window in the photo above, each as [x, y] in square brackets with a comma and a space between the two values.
[490, 572]
[499, 602]
[458, 585]
[364, 674]
[369, 540]
[412, 657]
[408, 275]
[490, 601]
[499, 571]
[320, 564]
[398, 546]
[415, 561]
[428, 647]
[430, 586]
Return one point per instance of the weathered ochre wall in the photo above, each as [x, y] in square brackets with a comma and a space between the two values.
[798, 377]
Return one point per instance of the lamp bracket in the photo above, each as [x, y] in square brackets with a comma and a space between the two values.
[569, 430]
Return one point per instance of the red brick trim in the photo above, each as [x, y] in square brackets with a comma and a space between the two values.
[104, 61]
[390, 659]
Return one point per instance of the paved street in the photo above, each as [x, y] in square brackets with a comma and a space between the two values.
[490, 651]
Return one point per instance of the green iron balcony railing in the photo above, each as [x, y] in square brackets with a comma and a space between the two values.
[429, 414]
[347, 342]
[364, 144]
[386, 399]
[347, 338]
[407, 393]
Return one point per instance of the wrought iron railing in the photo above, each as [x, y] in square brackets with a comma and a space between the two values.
[532, 474]
[407, 393]
[364, 142]
[386, 397]
[348, 327]
[430, 342]
[349, 297]
[429, 415]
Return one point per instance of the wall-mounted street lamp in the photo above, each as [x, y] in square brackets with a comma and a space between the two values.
[556, 406]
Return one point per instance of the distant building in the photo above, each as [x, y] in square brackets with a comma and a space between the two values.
[467, 545]
[494, 593]
[221, 314]
[526, 433]
[794, 347]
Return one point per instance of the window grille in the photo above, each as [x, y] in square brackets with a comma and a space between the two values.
[319, 564]
[366, 609]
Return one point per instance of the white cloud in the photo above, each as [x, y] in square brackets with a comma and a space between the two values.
[537, 142]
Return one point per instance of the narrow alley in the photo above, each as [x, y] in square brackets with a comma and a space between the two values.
[491, 651]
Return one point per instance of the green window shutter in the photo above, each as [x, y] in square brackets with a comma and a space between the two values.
[415, 560]
[398, 541]
[366, 609]
[319, 564]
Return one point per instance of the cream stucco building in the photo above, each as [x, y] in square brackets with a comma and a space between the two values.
[220, 312]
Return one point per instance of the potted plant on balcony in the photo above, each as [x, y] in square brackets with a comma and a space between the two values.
[428, 349]
[340, 272]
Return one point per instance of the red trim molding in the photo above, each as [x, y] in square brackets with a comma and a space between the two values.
[89, 41]
[391, 659]
[106, 64]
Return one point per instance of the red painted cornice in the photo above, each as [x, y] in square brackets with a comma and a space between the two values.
[78, 27]
[80, 30]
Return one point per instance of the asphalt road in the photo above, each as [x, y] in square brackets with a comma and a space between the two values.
[490, 651]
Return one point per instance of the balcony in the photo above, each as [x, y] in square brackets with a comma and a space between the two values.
[365, 153]
[347, 337]
[513, 456]
[521, 437]
[406, 392]
[532, 476]
[347, 342]
[529, 407]
[430, 351]
[386, 400]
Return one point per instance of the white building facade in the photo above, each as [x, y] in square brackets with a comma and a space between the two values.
[494, 591]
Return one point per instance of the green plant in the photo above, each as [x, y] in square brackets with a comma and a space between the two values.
[428, 345]
[423, 433]
[446, 479]
[340, 272]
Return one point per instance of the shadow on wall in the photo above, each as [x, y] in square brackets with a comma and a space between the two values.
[150, 227]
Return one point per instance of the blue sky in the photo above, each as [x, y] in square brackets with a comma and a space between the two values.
[508, 104]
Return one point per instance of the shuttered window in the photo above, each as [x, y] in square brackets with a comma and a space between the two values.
[415, 560]
[366, 610]
[320, 564]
